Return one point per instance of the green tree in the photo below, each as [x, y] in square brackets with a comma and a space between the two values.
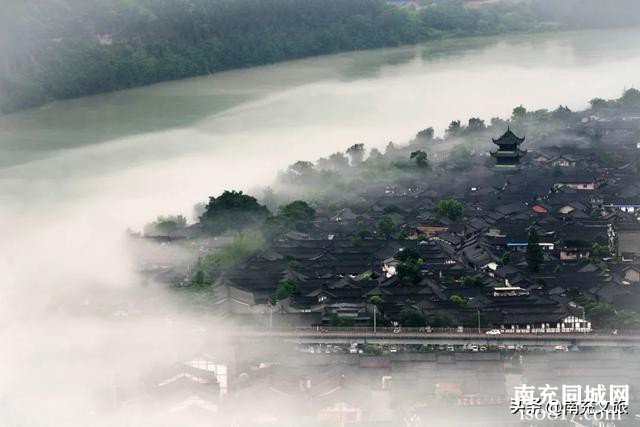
[301, 171]
[472, 282]
[519, 113]
[454, 129]
[51, 51]
[232, 210]
[298, 215]
[244, 245]
[386, 226]
[411, 317]
[294, 265]
[450, 208]
[630, 99]
[601, 315]
[499, 123]
[410, 272]
[341, 321]
[598, 250]
[426, 134]
[407, 255]
[627, 320]
[535, 256]
[165, 225]
[476, 125]
[285, 289]
[199, 280]
[356, 152]
[336, 162]
[562, 113]
[439, 321]
[420, 157]
[458, 300]
[598, 104]
[376, 300]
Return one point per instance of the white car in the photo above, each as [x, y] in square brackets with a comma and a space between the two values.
[494, 332]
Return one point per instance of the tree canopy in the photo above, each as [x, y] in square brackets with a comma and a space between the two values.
[165, 225]
[386, 226]
[68, 48]
[426, 134]
[298, 215]
[450, 208]
[458, 300]
[412, 317]
[410, 267]
[232, 210]
[420, 157]
[285, 289]
[356, 152]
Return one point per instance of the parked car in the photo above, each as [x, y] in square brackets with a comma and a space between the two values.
[561, 348]
[494, 332]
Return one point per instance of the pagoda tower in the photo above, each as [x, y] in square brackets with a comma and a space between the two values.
[509, 153]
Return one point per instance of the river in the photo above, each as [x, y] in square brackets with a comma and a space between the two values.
[176, 143]
[75, 174]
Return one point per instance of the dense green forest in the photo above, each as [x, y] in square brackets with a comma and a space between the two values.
[58, 49]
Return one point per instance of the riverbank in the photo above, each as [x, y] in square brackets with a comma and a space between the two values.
[128, 48]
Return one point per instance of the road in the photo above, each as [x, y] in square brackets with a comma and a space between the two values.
[417, 337]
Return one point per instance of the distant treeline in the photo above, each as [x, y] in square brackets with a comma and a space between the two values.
[58, 49]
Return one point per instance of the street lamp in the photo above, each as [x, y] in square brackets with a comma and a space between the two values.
[478, 320]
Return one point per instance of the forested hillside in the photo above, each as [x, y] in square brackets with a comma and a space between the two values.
[58, 49]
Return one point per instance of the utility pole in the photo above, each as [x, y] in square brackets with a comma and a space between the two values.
[374, 318]
[478, 320]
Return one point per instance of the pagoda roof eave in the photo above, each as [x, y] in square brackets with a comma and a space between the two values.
[508, 138]
[500, 141]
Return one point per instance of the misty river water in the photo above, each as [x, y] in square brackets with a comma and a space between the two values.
[75, 174]
[161, 148]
